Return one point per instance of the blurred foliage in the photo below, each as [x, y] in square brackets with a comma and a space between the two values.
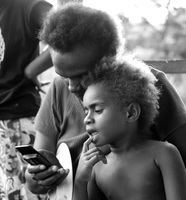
[62, 2]
[166, 41]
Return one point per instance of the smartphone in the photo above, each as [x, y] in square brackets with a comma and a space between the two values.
[32, 156]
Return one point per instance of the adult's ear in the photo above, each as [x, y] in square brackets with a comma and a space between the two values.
[133, 112]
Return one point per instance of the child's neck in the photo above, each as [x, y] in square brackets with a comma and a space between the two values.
[127, 144]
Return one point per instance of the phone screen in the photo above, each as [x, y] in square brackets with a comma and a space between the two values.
[32, 156]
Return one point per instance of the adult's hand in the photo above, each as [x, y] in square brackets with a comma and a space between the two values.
[41, 179]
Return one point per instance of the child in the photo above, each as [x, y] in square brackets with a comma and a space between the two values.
[120, 101]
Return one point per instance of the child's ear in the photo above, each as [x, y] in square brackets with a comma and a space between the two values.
[133, 112]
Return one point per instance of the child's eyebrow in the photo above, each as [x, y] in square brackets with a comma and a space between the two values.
[94, 104]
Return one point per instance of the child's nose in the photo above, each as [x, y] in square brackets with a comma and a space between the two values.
[88, 120]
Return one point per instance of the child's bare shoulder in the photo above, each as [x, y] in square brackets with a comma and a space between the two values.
[164, 151]
[161, 144]
[163, 147]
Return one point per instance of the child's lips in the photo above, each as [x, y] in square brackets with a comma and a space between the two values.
[91, 132]
[93, 135]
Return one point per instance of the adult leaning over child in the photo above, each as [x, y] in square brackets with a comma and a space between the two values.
[78, 38]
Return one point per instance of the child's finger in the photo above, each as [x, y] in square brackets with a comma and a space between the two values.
[86, 145]
[96, 154]
[96, 158]
[92, 154]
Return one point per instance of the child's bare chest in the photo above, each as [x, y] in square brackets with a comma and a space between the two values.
[126, 178]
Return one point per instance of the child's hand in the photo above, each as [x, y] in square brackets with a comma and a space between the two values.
[88, 159]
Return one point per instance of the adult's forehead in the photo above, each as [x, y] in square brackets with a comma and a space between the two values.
[78, 60]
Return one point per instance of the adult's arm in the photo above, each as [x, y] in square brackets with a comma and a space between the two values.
[60, 119]
[171, 122]
[172, 111]
[39, 179]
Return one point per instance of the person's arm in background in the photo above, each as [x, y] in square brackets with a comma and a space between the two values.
[37, 66]
[43, 61]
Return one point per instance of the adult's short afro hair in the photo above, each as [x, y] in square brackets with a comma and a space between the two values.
[74, 24]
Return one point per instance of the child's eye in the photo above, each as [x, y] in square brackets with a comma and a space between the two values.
[98, 111]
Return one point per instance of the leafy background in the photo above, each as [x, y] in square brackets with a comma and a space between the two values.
[166, 41]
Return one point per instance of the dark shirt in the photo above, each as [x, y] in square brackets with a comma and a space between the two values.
[20, 21]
